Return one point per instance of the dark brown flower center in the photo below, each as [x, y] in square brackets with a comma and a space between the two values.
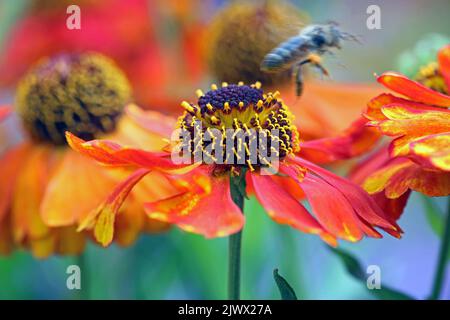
[81, 93]
[238, 126]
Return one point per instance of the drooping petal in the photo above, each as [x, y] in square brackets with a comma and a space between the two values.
[102, 219]
[413, 90]
[281, 206]
[355, 140]
[378, 180]
[30, 183]
[6, 236]
[332, 209]
[211, 213]
[444, 64]
[363, 169]
[77, 187]
[432, 151]
[392, 207]
[69, 241]
[363, 205]
[10, 166]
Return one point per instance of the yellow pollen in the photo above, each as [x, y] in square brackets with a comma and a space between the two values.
[259, 104]
[240, 83]
[209, 106]
[187, 107]
[224, 84]
[214, 86]
[199, 93]
[226, 106]
[214, 120]
[241, 104]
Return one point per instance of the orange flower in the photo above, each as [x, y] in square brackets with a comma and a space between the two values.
[418, 158]
[205, 206]
[48, 192]
[127, 31]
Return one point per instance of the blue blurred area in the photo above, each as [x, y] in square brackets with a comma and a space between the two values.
[179, 265]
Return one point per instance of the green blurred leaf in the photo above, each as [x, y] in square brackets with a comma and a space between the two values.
[286, 291]
[386, 293]
[355, 268]
[434, 217]
[351, 264]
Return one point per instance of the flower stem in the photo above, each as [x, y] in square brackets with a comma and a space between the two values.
[443, 258]
[237, 188]
[234, 266]
[81, 261]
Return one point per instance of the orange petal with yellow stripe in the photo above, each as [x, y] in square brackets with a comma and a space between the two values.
[432, 151]
[102, 219]
[401, 174]
[408, 124]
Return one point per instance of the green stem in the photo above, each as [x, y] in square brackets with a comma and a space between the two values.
[234, 266]
[237, 188]
[81, 261]
[442, 261]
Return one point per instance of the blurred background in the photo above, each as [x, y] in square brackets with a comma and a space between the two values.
[165, 64]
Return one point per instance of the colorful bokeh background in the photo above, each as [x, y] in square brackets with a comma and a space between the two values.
[179, 265]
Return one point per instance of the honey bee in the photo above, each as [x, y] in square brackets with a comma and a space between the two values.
[305, 48]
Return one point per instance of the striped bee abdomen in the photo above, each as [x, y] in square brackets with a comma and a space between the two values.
[283, 56]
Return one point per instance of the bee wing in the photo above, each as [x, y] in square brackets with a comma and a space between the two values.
[277, 34]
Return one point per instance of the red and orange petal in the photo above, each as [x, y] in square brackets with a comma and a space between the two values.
[210, 212]
[341, 209]
[364, 206]
[321, 100]
[401, 174]
[393, 208]
[113, 154]
[354, 141]
[413, 90]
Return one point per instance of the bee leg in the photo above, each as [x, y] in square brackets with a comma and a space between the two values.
[315, 60]
[298, 80]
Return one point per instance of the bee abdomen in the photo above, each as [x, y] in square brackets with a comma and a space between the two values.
[283, 56]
